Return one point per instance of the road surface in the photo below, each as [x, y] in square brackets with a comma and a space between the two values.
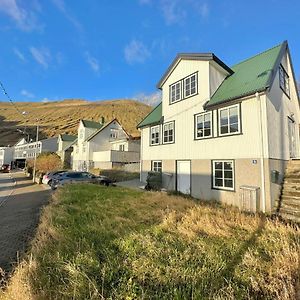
[20, 205]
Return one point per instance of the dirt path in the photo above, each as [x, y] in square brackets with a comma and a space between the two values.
[19, 216]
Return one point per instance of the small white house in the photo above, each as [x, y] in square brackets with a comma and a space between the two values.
[104, 146]
[65, 149]
[224, 133]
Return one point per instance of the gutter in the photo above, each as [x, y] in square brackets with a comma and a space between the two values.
[262, 163]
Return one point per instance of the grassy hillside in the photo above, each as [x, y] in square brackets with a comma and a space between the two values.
[63, 117]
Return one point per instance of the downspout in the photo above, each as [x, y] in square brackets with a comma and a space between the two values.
[262, 163]
[141, 153]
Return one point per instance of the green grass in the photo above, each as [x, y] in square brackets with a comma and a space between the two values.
[96, 242]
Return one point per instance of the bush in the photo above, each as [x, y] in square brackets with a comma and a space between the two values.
[45, 162]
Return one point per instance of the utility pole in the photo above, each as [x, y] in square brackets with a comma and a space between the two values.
[35, 154]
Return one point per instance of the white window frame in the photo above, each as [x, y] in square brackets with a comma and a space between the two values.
[151, 139]
[228, 123]
[173, 132]
[190, 86]
[196, 125]
[156, 168]
[173, 97]
[122, 147]
[223, 187]
[284, 80]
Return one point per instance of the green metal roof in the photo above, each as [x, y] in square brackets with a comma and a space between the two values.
[68, 138]
[153, 117]
[91, 124]
[250, 76]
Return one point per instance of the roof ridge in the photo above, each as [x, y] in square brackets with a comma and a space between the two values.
[243, 61]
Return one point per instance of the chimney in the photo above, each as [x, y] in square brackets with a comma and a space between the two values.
[102, 120]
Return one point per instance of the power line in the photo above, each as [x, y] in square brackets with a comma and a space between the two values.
[10, 100]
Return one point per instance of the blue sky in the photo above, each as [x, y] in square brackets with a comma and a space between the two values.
[106, 49]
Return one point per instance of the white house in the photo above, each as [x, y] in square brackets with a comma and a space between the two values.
[23, 150]
[105, 147]
[224, 133]
[6, 155]
[64, 148]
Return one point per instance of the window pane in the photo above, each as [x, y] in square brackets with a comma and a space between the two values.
[206, 132]
[218, 182]
[224, 129]
[228, 174]
[228, 183]
[227, 165]
[234, 127]
[218, 165]
[218, 174]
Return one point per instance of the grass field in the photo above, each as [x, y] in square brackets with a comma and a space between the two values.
[112, 243]
[63, 117]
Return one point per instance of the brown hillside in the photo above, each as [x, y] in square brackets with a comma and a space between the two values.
[63, 117]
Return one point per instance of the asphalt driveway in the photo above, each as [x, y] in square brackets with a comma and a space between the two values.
[20, 206]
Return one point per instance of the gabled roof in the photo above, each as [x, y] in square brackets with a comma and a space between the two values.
[191, 56]
[67, 137]
[252, 75]
[91, 124]
[154, 117]
[103, 127]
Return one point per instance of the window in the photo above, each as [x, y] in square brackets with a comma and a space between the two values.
[81, 134]
[203, 125]
[168, 130]
[122, 147]
[113, 134]
[229, 120]
[154, 135]
[190, 85]
[284, 80]
[156, 166]
[223, 174]
[175, 92]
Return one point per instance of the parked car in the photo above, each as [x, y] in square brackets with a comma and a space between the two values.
[78, 177]
[47, 178]
[5, 168]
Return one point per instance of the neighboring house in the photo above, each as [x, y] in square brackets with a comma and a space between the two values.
[6, 155]
[80, 159]
[224, 133]
[106, 147]
[24, 150]
[65, 142]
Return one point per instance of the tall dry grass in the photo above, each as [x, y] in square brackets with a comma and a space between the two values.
[113, 243]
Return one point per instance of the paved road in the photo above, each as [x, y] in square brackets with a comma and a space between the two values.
[20, 204]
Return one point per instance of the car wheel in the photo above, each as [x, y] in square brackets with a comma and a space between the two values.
[50, 182]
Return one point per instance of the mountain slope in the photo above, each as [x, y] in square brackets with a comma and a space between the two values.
[63, 117]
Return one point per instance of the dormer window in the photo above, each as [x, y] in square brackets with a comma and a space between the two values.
[175, 92]
[190, 86]
[184, 88]
[284, 80]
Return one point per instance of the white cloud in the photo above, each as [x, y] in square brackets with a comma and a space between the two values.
[41, 55]
[92, 61]
[25, 19]
[136, 52]
[150, 99]
[61, 6]
[19, 54]
[202, 9]
[45, 100]
[172, 12]
[27, 94]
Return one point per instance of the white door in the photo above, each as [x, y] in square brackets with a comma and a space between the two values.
[292, 138]
[184, 176]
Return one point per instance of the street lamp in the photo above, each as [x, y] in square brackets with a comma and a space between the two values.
[35, 153]
[24, 132]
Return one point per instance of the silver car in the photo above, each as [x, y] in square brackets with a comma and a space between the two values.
[78, 177]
